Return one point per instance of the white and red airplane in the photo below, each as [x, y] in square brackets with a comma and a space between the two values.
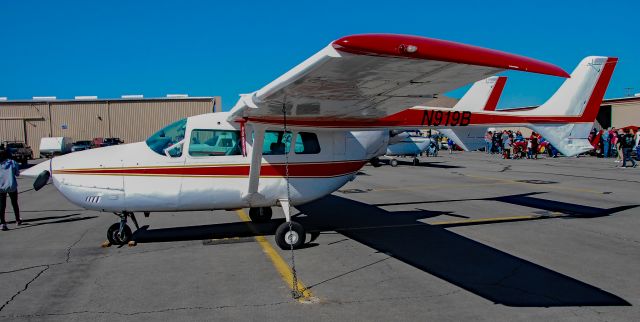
[482, 96]
[290, 142]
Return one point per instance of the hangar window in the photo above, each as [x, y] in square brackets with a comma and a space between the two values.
[307, 143]
[168, 141]
[276, 142]
[214, 142]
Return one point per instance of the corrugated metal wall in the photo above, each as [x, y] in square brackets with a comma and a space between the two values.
[625, 114]
[130, 120]
[81, 120]
[136, 121]
[12, 130]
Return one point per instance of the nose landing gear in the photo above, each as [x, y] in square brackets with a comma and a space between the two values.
[120, 233]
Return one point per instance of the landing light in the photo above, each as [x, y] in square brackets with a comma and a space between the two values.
[411, 49]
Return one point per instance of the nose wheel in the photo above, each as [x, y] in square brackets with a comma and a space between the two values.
[116, 237]
[120, 233]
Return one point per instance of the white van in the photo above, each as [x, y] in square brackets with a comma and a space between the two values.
[52, 146]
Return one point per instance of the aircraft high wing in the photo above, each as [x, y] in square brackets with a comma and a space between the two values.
[361, 78]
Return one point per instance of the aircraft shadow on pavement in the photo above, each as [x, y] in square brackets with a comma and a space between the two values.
[485, 271]
[573, 210]
[28, 223]
[430, 164]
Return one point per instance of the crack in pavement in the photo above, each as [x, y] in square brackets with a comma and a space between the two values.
[188, 308]
[25, 287]
[46, 267]
[72, 245]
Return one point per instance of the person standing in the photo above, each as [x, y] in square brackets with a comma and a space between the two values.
[534, 145]
[616, 143]
[488, 138]
[507, 147]
[450, 145]
[9, 170]
[605, 143]
[627, 143]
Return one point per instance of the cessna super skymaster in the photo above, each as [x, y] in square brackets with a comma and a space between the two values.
[307, 133]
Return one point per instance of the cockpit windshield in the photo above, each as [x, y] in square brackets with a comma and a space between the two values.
[167, 137]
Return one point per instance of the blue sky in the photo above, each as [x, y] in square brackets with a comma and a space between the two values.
[204, 48]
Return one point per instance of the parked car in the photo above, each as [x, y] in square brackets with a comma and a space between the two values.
[19, 151]
[80, 146]
[111, 141]
[52, 146]
[97, 142]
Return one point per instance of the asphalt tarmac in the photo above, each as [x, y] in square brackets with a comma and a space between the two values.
[466, 236]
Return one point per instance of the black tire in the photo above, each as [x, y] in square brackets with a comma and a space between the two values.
[375, 162]
[114, 237]
[393, 163]
[259, 215]
[416, 162]
[298, 235]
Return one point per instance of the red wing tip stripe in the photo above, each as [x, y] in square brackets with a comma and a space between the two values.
[417, 47]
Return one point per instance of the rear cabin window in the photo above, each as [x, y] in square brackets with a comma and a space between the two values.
[276, 142]
[307, 143]
[205, 143]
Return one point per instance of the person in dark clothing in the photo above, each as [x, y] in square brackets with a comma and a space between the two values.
[9, 170]
[628, 142]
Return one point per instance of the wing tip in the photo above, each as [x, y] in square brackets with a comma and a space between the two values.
[417, 47]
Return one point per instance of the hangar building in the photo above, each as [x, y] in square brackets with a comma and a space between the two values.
[620, 112]
[131, 118]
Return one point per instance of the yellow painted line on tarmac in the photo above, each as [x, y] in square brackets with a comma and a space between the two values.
[550, 186]
[279, 263]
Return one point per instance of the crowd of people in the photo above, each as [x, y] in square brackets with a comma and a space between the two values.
[616, 143]
[513, 145]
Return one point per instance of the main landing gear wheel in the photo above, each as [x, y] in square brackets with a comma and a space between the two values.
[375, 162]
[259, 215]
[416, 161]
[285, 237]
[393, 163]
[115, 237]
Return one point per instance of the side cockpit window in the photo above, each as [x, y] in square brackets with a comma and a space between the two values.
[206, 143]
[169, 140]
[276, 142]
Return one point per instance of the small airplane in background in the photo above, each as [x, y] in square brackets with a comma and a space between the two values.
[482, 96]
[292, 141]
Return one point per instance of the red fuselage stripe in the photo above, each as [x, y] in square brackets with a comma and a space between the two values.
[329, 169]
